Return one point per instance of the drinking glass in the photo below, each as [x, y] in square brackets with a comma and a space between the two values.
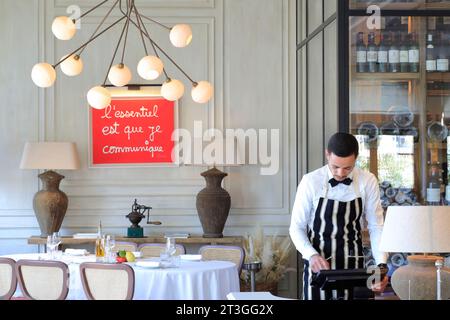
[170, 246]
[53, 242]
[110, 243]
[56, 239]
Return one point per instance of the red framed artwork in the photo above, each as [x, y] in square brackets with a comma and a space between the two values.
[135, 130]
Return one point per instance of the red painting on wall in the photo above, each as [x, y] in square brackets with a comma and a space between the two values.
[133, 130]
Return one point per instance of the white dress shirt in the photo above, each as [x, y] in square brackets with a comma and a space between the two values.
[313, 187]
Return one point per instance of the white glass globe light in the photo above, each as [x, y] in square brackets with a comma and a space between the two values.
[64, 28]
[99, 98]
[72, 66]
[43, 75]
[202, 92]
[150, 67]
[172, 90]
[120, 75]
[181, 35]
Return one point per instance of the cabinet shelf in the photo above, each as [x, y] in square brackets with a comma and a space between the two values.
[438, 93]
[402, 6]
[392, 6]
[387, 76]
[438, 76]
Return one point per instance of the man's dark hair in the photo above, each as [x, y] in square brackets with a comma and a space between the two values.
[343, 145]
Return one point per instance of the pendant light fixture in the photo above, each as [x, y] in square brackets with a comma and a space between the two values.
[150, 67]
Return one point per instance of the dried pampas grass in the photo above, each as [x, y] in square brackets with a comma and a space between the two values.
[272, 251]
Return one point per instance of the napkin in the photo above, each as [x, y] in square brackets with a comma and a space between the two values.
[76, 252]
[191, 257]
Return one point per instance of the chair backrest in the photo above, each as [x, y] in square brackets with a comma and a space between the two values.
[127, 246]
[149, 250]
[103, 281]
[43, 280]
[224, 253]
[8, 279]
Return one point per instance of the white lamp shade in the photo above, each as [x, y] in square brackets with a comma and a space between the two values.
[43, 75]
[63, 28]
[150, 67]
[99, 97]
[203, 92]
[172, 90]
[181, 35]
[50, 155]
[119, 75]
[72, 66]
[416, 229]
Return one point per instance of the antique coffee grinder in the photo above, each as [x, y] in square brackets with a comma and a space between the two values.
[135, 216]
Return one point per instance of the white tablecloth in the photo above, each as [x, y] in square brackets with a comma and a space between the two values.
[191, 280]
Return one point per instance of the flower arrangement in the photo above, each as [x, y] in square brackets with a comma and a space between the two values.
[272, 251]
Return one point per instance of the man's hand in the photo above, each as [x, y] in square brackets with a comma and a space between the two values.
[317, 263]
[380, 286]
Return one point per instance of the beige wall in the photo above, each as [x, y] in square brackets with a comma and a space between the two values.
[246, 48]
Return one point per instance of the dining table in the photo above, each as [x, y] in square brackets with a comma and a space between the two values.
[183, 280]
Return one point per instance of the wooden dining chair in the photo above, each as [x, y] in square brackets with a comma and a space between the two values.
[149, 250]
[224, 253]
[125, 246]
[103, 281]
[8, 278]
[43, 280]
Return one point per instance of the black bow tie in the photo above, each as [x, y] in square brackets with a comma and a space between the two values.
[334, 182]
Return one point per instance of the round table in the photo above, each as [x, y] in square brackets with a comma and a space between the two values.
[191, 280]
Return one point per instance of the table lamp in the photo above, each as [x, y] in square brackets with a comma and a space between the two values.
[50, 203]
[415, 230]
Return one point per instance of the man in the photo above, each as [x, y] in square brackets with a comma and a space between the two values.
[329, 208]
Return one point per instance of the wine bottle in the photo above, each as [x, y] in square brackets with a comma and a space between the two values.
[434, 187]
[413, 53]
[404, 53]
[431, 54]
[372, 53]
[100, 244]
[394, 53]
[383, 54]
[361, 53]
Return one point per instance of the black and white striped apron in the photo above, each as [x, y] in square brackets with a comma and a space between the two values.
[336, 235]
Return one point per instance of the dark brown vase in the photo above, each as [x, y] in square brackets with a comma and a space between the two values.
[213, 204]
[50, 203]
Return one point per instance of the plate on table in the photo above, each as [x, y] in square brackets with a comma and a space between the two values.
[191, 257]
[148, 264]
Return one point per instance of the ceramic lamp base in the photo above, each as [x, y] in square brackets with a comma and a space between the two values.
[417, 280]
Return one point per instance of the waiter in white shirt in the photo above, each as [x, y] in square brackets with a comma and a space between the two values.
[327, 216]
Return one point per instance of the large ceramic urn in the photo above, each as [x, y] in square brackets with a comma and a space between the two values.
[213, 204]
[50, 203]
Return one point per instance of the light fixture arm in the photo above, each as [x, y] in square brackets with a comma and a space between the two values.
[139, 18]
[158, 23]
[117, 48]
[140, 29]
[87, 42]
[167, 56]
[130, 5]
[100, 25]
[89, 11]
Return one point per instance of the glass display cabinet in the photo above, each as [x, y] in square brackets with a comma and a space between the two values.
[394, 95]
